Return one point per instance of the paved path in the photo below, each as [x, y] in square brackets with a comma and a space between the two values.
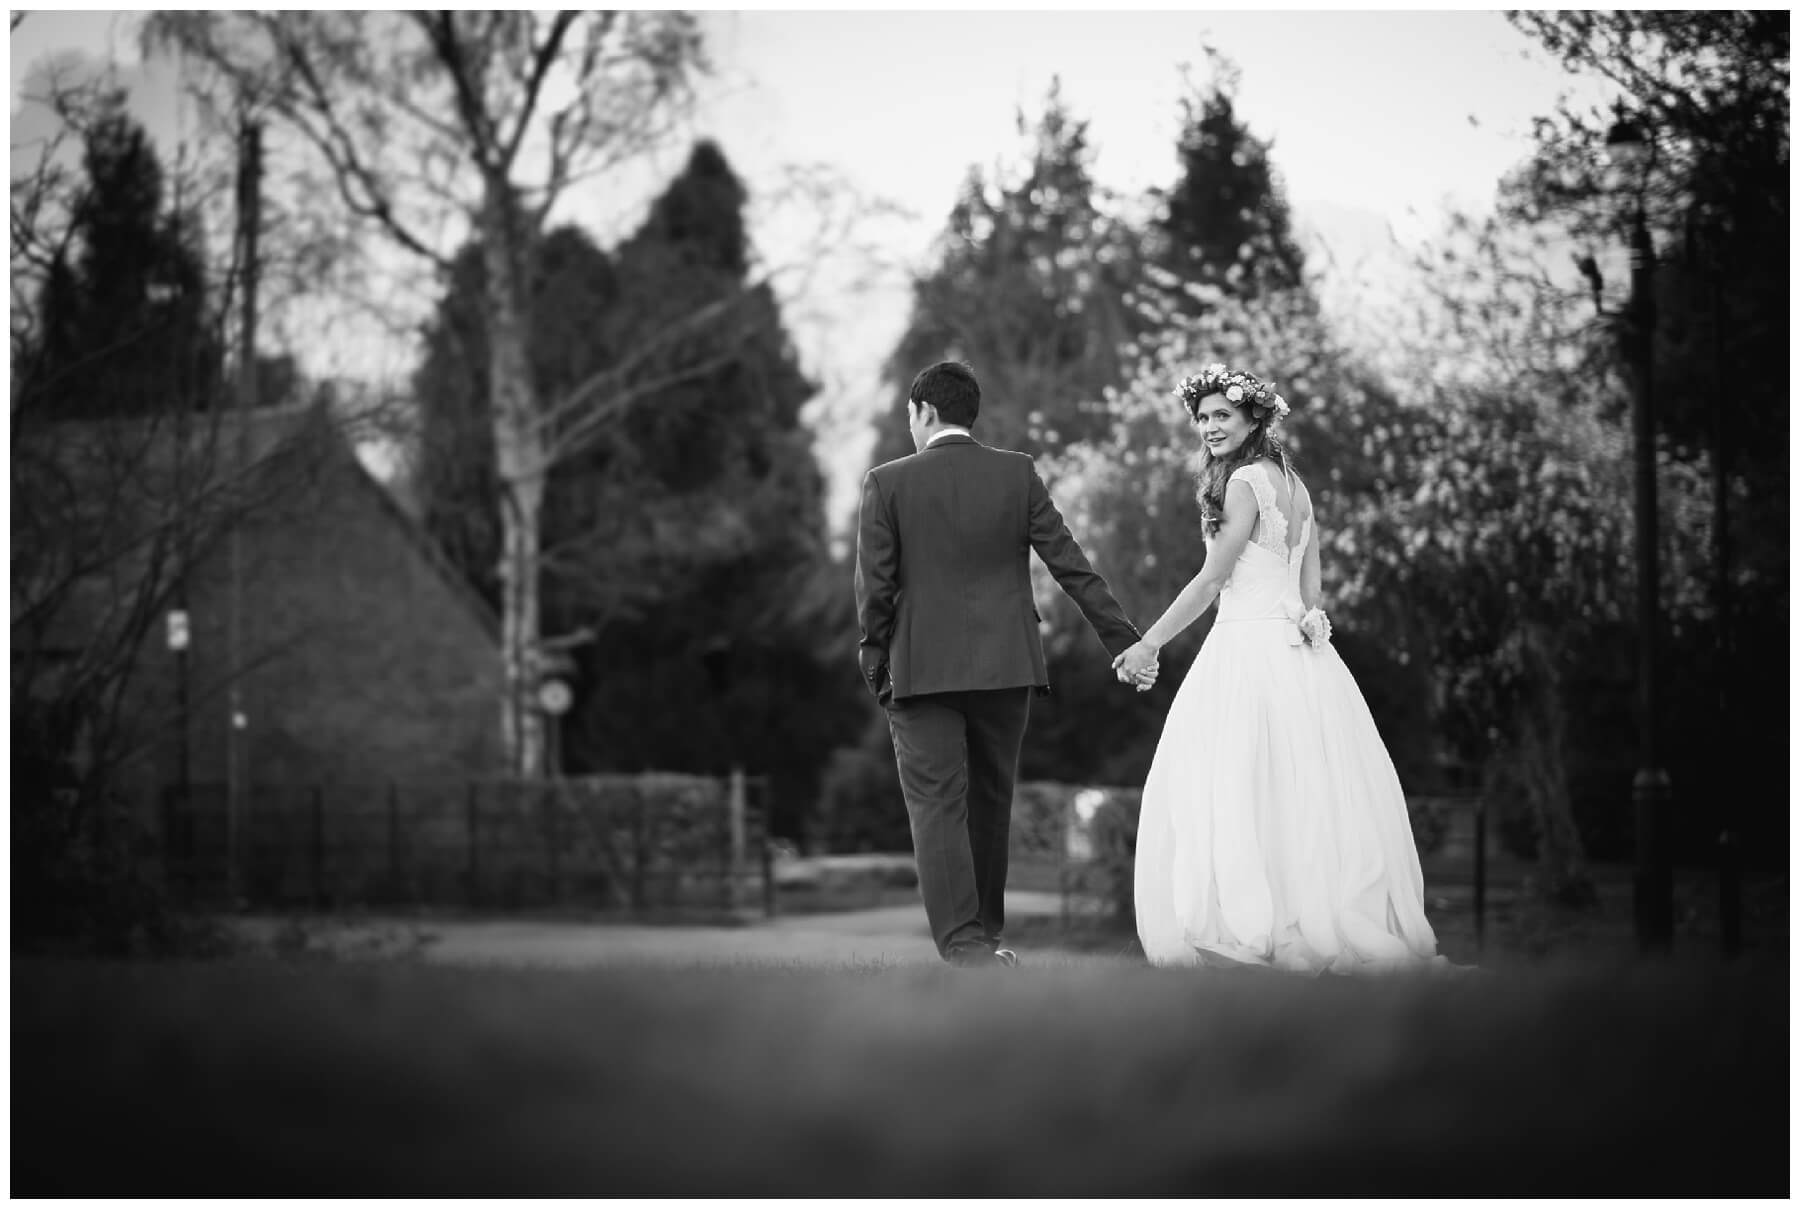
[883, 936]
[887, 936]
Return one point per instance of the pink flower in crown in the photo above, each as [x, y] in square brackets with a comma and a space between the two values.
[1240, 388]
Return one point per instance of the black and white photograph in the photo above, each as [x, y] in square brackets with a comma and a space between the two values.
[909, 603]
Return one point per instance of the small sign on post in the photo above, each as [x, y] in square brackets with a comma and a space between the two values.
[554, 697]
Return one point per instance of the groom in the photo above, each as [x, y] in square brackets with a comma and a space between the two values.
[950, 644]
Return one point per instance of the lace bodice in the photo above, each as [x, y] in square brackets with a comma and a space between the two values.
[1271, 532]
[1265, 583]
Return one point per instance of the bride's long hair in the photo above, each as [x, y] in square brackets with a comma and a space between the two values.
[1213, 473]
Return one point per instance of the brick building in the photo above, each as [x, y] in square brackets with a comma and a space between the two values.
[366, 658]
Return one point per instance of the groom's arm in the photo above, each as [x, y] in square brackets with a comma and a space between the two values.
[1063, 555]
[877, 582]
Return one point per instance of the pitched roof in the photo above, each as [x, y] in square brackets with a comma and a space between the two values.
[108, 473]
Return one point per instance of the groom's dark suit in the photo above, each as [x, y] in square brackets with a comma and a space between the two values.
[950, 647]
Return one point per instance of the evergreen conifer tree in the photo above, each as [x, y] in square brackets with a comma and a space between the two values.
[125, 326]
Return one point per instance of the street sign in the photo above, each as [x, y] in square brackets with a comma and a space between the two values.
[554, 697]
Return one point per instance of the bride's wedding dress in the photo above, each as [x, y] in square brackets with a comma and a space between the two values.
[1273, 830]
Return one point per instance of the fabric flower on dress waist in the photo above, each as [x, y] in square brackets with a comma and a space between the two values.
[1316, 626]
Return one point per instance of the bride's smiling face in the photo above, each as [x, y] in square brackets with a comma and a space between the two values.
[1223, 427]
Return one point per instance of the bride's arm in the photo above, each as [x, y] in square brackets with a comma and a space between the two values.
[1221, 557]
[1310, 590]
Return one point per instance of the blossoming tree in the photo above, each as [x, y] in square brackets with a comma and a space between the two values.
[1473, 519]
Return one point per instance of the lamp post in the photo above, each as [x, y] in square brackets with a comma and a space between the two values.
[1706, 247]
[237, 723]
[161, 293]
[1632, 150]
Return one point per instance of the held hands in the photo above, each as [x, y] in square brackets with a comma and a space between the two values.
[1137, 666]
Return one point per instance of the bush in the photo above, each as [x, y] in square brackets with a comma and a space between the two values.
[861, 808]
[1430, 819]
[84, 881]
[1089, 833]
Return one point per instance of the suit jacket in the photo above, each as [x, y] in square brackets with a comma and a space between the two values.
[943, 573]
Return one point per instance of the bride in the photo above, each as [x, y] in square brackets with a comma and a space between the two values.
[1273, 830]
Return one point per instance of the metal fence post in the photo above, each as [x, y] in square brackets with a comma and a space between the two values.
[553, 859]
[318, 847]
[768, 877]
[1731, 909]
[393, 822]
[474, 846]
[168, 839]
[1064, 875]
[737, 806]
[637, 848]
[1480, 870]
[725, 866]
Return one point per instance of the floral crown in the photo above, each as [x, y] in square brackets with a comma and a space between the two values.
[1238, 387]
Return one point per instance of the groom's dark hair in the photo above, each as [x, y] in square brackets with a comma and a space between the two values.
[949, 386]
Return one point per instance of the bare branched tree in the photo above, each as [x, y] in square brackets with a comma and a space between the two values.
[46, 190]
[479, 122]
[108, 515]
[112, 510]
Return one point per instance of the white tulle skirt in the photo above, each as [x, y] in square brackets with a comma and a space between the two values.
[1273, 830]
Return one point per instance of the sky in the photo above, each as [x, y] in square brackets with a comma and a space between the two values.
[1366, 109]
[1378, 122]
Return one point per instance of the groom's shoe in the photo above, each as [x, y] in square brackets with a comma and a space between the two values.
[980, 957]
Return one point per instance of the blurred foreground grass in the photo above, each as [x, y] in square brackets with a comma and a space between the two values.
[1079, 1075]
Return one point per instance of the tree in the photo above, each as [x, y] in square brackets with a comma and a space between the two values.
[1224, 282]
[123, 324]
[1500, 525]
[693, 457]
[1469, 553]
[1030, 286]
[1032, 283]
[1225, 224]
[44, 193]
[574, 287]
[685, 543]
[1711, 90]
[1130, 493]
[124, 480]
[486, 118]
[691, 540]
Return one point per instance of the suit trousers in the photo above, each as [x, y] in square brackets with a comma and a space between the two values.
[958, 755]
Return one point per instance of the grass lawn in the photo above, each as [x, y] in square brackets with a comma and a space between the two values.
[1078, 1075]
